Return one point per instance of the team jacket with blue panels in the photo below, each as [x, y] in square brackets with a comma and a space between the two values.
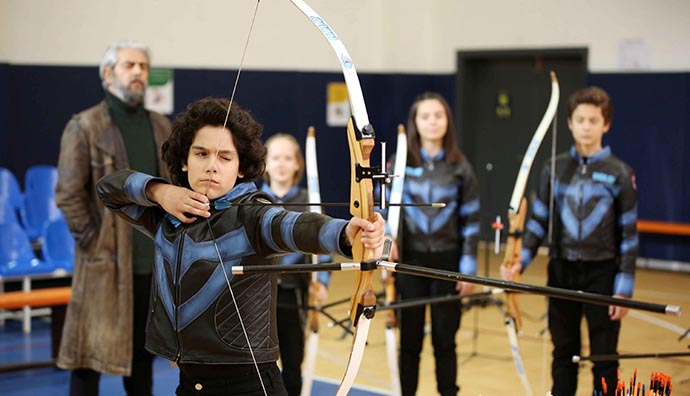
[192, 317]
[596, 207]
[456, 226]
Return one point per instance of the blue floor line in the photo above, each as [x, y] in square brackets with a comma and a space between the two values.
[17, 347]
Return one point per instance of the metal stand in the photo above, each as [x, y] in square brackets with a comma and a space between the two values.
[488, 300]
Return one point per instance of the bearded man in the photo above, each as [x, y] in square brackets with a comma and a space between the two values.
[104, 329]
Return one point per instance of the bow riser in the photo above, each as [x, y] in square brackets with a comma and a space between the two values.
[362, 206]
[516, 223]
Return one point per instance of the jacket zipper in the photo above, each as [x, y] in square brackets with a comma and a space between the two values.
[430, 167]
[581, 208]
[178, 280]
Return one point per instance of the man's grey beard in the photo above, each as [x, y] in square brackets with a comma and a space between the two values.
[129, 96]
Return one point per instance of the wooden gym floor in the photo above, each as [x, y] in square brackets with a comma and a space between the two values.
[485, 363]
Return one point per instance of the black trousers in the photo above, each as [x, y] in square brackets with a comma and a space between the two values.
[291, 319]
[84, 382]
[565, 318]
[237, 381]
[445, 322]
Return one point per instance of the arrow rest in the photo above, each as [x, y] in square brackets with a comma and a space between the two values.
[374, 172]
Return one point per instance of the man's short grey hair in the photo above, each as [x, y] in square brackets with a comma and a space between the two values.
[110, 57]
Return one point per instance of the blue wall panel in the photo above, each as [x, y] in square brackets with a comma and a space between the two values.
[43, 98]
[651, 132]
[41, 101]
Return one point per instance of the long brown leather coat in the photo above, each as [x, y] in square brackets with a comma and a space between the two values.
[98, 327]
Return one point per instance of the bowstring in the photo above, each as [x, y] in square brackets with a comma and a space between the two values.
[208, 186]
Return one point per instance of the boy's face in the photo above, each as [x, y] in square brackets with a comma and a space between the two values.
[587, 125]
[281, 161]
[213, 162]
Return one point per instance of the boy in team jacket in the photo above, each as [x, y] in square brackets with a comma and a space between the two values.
[220, 331]
[594, 243]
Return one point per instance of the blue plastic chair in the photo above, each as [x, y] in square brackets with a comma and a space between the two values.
[8, 213]
[17, 258]
[11, 196]
[58, 245]
[39, 199]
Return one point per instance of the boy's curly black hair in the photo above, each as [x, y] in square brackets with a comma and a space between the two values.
[245, 131]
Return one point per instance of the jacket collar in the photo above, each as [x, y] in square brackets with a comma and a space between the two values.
[239, 190]
[598, 156]
[427, 158]
[222, 202]
[294, 191]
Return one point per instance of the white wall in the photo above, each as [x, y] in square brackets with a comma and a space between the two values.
[381, 35]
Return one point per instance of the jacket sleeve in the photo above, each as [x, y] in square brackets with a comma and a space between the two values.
[626, 212]
[469, 221]
[282, 231]
[74, 184]
[124, 193]
[537, 225]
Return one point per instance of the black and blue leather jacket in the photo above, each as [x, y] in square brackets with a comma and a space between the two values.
[193, 317]
[595, 214]
[454, 227]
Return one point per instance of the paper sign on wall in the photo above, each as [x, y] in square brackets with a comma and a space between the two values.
[337, 106]
[160, 93]
[634, 54]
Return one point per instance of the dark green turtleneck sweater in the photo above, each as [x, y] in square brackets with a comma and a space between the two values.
[135, 127]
